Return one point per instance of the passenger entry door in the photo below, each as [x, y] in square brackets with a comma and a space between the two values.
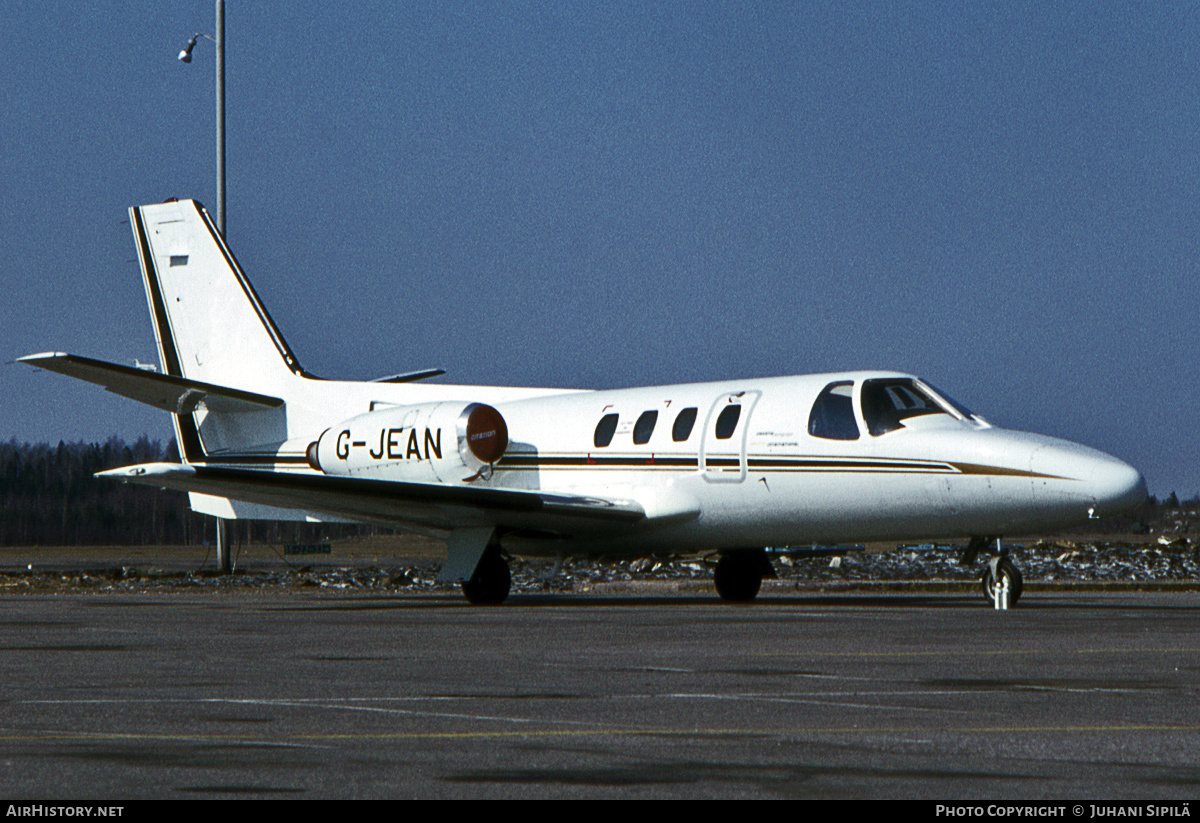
[723, 446]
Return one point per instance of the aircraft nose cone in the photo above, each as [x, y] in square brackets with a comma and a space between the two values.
[1117, 487]
[1070, 472]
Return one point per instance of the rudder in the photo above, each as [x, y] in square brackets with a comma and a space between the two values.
[210, 326]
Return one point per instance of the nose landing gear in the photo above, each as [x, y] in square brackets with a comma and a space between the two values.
[1000, 571]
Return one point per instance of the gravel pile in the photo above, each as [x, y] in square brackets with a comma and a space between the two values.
[1047, 561]
[1169, 559]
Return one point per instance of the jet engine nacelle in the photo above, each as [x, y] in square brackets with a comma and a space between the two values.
[434, 443]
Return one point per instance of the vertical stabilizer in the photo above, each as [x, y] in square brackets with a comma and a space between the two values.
[210, 323]
[210, 326]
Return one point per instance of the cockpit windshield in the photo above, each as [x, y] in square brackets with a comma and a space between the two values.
[958, 407]
[889, 401]
[886, 402]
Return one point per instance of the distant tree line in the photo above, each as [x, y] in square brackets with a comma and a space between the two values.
[1154, 516]
[49, 496]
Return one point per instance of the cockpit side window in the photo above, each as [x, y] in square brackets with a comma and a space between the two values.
[887, 402]
[832, 415]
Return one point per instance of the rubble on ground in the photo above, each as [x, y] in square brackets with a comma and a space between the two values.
[1170, 558]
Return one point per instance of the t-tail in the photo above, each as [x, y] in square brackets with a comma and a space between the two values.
[212, 329]
[227, 375]
[236, 392]
[210, 324]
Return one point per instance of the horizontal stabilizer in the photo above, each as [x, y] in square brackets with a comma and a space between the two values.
[410, 376]
[428, 505]
[163, 391]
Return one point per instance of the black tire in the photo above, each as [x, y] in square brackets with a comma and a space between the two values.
[738, 577]
[491, 581]
[1005, 568]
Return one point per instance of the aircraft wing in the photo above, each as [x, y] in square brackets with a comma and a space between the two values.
[427, 505]
[163, 391]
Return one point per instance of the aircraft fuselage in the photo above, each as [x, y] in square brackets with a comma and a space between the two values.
[764, 479]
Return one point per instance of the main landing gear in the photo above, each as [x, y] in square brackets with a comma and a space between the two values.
[491, 581]
[739, 574]
[1000, 571]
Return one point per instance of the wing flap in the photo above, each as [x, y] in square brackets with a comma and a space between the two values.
[428, 505]
[177, 395]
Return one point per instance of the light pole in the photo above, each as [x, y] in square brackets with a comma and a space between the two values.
[224, 560]
[185, 56]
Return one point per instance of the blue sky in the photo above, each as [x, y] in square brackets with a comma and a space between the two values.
[998, 197]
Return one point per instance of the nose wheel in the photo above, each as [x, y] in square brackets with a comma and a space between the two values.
[999, 572]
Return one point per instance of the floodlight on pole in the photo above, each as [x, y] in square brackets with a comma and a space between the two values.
[185, 56]
[224, 561]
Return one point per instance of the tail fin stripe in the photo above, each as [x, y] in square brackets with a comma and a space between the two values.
[188, 437]
[187, 434]
[264, 316]
[158, 310]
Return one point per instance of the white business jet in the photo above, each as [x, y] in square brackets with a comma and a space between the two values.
[723, 468]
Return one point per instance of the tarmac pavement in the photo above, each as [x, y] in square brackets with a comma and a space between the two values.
[335, 693]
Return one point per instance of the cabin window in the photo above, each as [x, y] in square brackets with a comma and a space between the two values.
[727, 421]
[888, 402]
[684, 421]
[644, 427]
[832, 415]
[605, 430]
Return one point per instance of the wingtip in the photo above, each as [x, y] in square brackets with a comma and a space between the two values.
[144, 470]
[33, 359]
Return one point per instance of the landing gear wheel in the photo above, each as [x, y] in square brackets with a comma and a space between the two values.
[739, 576]
[1005, 569]
[491, 581]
